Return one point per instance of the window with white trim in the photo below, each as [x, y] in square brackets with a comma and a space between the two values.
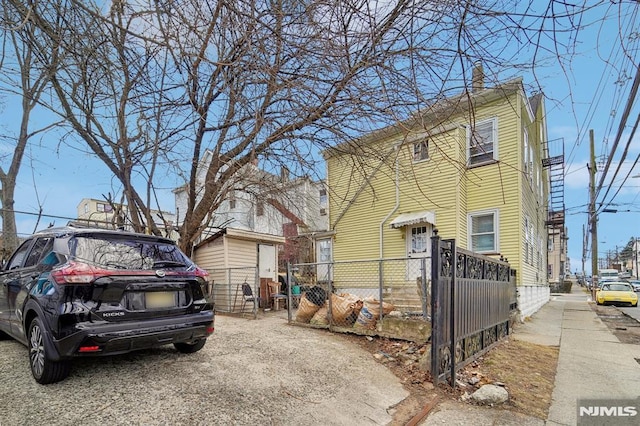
[540, 254]
[532, 243]
[421, 151]
[528, 158]
[483, 231]
[482, 140]
[529, 241]
[323, 196]
[323, 201]
[525, 229]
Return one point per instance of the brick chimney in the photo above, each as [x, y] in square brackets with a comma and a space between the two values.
[477, 77]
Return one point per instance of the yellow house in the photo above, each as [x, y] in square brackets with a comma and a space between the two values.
[469, 166]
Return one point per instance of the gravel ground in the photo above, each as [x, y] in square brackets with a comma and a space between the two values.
[260, 371]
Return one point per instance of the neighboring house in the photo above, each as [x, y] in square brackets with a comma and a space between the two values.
[469, 166]
[268, 204]
[559, 267]
[103, 214]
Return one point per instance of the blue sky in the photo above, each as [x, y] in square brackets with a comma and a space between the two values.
[594, 97]
[588, 93]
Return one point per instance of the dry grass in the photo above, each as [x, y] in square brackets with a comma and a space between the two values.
[525, 369]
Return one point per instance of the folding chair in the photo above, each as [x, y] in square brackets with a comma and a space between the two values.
[247, 296]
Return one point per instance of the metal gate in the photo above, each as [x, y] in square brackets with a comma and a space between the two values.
[470, 301]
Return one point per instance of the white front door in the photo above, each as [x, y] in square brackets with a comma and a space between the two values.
[418, 247]
[323, 254]
[267, 261]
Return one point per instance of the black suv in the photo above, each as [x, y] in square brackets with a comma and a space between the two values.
[71, 292]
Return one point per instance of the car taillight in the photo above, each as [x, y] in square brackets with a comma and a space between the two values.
[77, 273]
[199, 272]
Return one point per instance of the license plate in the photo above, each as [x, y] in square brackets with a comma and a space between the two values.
[160, 299]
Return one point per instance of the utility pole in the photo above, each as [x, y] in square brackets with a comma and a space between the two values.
[593, 217]
[635, 256]
[585, 244]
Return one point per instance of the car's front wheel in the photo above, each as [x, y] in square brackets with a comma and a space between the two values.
[189, 348]
[43, 369]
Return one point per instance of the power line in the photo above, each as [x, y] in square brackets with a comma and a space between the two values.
[38, 214]
[623, 120]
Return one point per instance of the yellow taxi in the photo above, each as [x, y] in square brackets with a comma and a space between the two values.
[616, 292]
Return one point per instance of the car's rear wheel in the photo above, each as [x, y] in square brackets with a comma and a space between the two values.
[189, 348]
[43, 369]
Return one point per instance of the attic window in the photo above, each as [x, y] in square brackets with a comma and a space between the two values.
[421, 151]
[232, 200]
[259, 208]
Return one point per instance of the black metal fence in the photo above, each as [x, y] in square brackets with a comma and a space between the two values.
[471, 299]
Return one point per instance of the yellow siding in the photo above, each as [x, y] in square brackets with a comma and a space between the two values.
[373, 198]
[363, 192]
[535, 207]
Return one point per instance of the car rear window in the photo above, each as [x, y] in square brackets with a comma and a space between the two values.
[115, 252]
[618, 287]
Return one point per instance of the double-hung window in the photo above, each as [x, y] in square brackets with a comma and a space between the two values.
[482, 142]
[483, 230]
[323, 202]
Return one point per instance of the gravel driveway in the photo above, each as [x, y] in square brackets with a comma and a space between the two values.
[250, 372]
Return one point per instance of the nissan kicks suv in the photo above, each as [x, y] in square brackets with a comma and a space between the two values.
[75, 292]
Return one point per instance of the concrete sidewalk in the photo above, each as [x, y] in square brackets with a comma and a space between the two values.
[592, 364]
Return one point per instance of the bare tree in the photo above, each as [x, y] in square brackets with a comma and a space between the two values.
[108, 91]
[25, 78]
[150, 88]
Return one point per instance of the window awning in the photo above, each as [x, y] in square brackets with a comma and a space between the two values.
[406, 219]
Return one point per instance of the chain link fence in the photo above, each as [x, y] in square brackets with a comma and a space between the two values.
[358, 294]
[235, 290]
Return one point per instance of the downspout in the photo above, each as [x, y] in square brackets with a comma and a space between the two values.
[395, 207]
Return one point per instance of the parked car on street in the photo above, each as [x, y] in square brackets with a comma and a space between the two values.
[616, 293]
[608, 275]
[75, 292]
[635, 284]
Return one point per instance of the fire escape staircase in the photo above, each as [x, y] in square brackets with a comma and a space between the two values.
[553, 162]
